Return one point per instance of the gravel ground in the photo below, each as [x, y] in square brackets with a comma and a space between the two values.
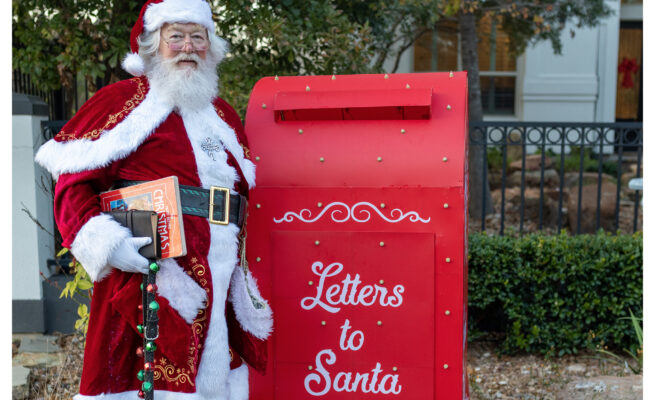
[525, 377]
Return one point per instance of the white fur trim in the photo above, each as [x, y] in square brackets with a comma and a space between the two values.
[133, 64]
[257, 321]
[170, 11]
[84, 154]
[95, 242]
[183, 293]
[239, 385]
[206, 123]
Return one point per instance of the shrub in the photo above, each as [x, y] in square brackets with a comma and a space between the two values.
[556, 294]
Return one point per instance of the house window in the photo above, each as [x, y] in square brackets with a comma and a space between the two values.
[439, 50]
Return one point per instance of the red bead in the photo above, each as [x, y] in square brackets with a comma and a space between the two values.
[139, 352]
[148, 366]
[140, 394]
[152, 287]
[140, 307]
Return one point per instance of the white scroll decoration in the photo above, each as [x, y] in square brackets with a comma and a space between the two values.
[362, 215]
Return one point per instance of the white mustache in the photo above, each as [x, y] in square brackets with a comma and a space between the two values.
[186, 57]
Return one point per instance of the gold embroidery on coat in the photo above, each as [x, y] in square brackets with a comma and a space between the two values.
[112, 119]
[167, 370]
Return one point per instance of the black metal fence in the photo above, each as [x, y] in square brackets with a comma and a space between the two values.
[548, 176]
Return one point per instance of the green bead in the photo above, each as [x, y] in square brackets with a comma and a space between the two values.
[151, 346]
[153, 306]
[147, 386]
[141, 286]
[154, 267]
[140, 328]
[140, 375]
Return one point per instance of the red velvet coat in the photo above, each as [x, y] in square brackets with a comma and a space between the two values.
[147, 146]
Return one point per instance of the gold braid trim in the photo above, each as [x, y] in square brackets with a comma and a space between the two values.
[113, 118]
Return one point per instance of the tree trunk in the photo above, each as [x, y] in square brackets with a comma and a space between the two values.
[477, 175]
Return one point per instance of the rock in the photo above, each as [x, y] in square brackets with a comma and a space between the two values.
[38, 359]
[572, 179]
[19, 382]
[588, 207]
[39, 344]
[533, 179]
[576, 369]
[603, 387]
[532, 163]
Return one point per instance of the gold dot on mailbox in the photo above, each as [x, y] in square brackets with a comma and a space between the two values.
[381, 244]
[257, 158]
[258, 259]
[451, 74]
[300, 131]
[382, 205]
[258, 205]
[381, 281]
[317, 243]
[333, 77]
[263, 105]
[407, 86]
[446, 205]
[379, 159]
[444, 159]
[403, 131]
[310, 283]
[307, 88]
[447, 312]
[323, 323]
[395, 369]
[277, 78]
[379, 323]
[322, 159]
[448, 107]
[319, 204]
[445, 366]
[309, 367]
[386, 76]
[447, 259]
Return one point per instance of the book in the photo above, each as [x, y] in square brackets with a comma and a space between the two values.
[141, 223]
[161, 196]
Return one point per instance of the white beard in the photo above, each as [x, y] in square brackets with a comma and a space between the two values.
[184, 88]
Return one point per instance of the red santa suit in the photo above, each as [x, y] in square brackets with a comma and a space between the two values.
[207, 301]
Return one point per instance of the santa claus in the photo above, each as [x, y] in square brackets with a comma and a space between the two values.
[166, 121]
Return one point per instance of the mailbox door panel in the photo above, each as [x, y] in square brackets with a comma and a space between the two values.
[353, 302]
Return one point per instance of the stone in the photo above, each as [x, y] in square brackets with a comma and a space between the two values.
[576, 369]
[572, 179]
[533, 179]
[38, 359]
[603, 387]
[19, 382]
[588, 207]
[532, 163]
[39, 344]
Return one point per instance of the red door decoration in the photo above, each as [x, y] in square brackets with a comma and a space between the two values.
[628, 67]
[358, 236]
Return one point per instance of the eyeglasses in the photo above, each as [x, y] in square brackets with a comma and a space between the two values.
[177, 41]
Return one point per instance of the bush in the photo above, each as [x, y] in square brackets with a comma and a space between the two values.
[556, 294]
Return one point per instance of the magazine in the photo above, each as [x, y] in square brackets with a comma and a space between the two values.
[161, 196]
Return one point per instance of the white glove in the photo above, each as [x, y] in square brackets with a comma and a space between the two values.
[126, 256]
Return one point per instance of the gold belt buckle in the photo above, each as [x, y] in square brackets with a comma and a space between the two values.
[225, 221]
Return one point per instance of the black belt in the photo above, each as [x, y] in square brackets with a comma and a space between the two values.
[222, 208]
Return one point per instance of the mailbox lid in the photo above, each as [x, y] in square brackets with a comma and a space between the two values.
[334, 152]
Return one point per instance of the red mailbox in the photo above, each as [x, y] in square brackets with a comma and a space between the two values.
[358, 234]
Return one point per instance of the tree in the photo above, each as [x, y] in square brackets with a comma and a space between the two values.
[524, 22]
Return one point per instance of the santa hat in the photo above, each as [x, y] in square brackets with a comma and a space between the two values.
[154, 14]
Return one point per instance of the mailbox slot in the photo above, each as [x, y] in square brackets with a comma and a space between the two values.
[393, 104]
